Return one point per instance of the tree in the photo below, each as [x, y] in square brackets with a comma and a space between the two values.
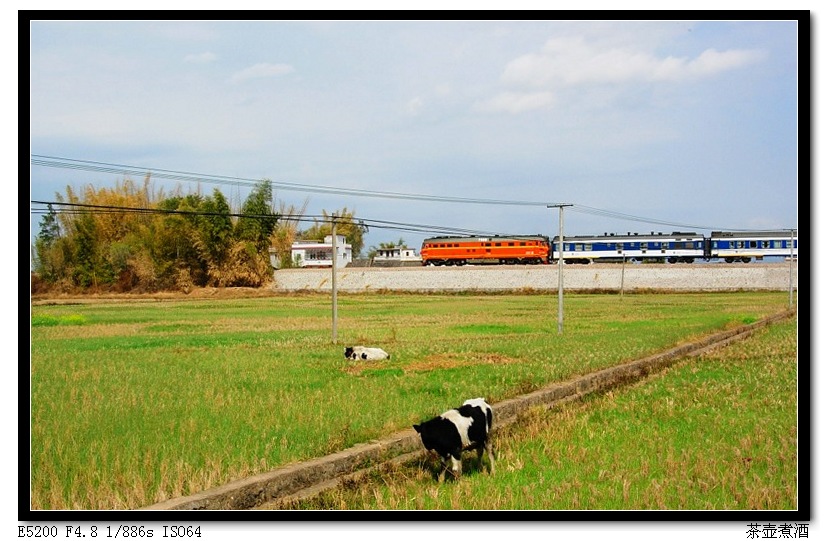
[372, 252]
[90, 267]
[180, 262]
[285, 232]
[258, 219]
[214, 235]
[45, 260]
[130, 237]
[346, 224]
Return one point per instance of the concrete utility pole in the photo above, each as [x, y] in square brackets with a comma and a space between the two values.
[790, 272]
[560, 208]
[333, 278]
[623, 265]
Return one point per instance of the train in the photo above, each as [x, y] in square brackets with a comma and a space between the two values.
[675, 247]
[504, 250]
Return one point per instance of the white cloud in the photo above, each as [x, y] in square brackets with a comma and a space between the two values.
[261, 70]
[711, 61]
[200, 58]
[536, 79]
[573, 61]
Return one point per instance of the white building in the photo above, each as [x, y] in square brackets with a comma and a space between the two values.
[397, 254]
[308, 253]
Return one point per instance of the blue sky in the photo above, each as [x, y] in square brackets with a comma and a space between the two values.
[680, 123]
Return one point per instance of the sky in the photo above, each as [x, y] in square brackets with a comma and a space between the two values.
[681, 125]
[684, 125]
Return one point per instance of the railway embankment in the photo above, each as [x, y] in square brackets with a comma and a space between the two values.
[584, 278]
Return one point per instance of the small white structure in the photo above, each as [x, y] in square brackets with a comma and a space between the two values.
[309, 253]
[397, 254]
[318, 254]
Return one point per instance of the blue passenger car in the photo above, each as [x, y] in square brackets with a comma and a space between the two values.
[670, 247]
[745, 246]
[678, 247]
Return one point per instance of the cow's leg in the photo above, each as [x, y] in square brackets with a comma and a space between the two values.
[456, 466]
[491, 456]
[480, 458]
[443, 469]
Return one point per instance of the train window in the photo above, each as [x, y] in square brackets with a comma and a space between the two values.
[777, 244]
[523, 244]
[511, 244]
[497, 244]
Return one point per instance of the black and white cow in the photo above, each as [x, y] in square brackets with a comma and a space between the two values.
[459, 429]
[365, 354]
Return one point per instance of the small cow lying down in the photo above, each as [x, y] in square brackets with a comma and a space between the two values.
[456, 430]
[365, 354]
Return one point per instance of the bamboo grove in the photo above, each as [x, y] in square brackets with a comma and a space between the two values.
[133, 238]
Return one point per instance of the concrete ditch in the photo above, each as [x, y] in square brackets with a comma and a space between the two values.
[298, 481]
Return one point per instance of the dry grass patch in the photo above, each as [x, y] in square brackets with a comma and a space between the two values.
[437, 361]
[442, 361]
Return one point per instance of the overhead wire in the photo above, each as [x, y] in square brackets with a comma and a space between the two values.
[68, 163]
[82, 208]
[96, 166]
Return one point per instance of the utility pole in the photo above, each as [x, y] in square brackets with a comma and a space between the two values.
[560, 208]
[790, 272]
[623, 265]
[333, 278]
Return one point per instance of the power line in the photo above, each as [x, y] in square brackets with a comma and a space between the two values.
[187, 176]
[84, 165]
[83, 208]
[632, 218]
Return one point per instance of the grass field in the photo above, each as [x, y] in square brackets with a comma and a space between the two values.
[137, 402]
[715, 433]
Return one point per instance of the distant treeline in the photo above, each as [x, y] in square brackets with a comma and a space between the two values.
[133, 238]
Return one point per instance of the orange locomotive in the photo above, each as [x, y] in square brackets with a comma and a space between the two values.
[519, 249]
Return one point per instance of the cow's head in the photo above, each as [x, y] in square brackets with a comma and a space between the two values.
[349, 352]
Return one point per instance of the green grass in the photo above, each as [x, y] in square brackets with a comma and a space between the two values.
[714, 433]
[133, 403]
